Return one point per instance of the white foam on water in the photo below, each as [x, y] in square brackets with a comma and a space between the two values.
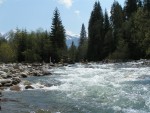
[121, 87]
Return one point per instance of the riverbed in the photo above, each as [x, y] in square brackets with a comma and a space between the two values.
[85, 88]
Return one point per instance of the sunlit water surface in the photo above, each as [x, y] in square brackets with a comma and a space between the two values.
[89, 88]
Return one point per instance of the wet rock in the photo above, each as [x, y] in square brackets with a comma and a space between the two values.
[9, 76]
[16, 80]
[29, 87]
[2, 88]
[15, 88]
[6, 70]
[27, 83]
[4, 76]
[24, 75]
[8, 84]
[0, 93]
[36, 73]
[46, 73]
[16, 66]
[5, 81]
[2, 72]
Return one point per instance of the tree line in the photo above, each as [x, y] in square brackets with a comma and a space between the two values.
[124, 34]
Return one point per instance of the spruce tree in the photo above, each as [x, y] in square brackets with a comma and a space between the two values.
[82, 36]
[72, 53]
[130, 7]
[147, 5]
[57, 37]
[117, 20]
[96, 34]
[116, 15]
[108, 39]
[82, 49]
[106, 22]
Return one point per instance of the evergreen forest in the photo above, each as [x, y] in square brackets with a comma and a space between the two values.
[121, 34]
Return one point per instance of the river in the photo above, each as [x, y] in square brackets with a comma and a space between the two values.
[85, 88]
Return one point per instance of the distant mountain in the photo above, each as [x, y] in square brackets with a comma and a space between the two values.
[70, 38]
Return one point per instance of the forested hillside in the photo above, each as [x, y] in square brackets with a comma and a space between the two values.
[122, 34]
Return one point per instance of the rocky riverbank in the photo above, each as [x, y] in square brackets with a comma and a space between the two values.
[11, 74]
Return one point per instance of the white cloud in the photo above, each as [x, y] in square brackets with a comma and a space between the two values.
[77, 12]
[67, 3]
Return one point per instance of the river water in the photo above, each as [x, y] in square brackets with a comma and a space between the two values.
[89, 88]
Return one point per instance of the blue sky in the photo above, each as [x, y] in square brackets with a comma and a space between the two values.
[34, 14]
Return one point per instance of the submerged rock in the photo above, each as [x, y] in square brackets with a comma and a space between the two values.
[15, 88]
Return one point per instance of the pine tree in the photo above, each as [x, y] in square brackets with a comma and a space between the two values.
[20, 44]
[117, 20]
[96, 34]
[106, 22]
[108, 39]
[82, 49]
[57, 37]
[147, 5]
[116, 15]
[82, 36]
[130, 7]
[72, 53]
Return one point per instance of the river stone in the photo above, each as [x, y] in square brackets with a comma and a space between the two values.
[29, 87]
[0, 85]
[6, 70]
[24, 75]
[2, 72]
[15, 88]
[4, 76]
[16, 80]
[9, 76]
[47, 73]
[37, 73]
[4, 81]
[16, 66]
[27, 83]
[0, 93]
[8, 84]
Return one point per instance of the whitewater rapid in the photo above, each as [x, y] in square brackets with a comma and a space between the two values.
[92, 88]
